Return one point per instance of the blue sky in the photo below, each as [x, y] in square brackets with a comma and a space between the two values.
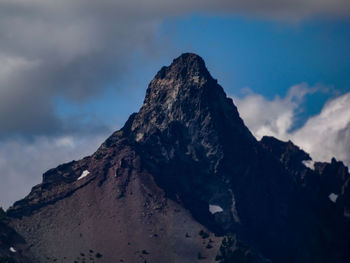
[264, 56]
[267, 56]
[72, 72]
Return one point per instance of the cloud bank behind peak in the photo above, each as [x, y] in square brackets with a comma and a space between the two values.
[324, 135]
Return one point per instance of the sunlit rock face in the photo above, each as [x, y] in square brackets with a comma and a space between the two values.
[185, 180]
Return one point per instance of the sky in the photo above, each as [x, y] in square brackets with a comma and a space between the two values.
[72, 71]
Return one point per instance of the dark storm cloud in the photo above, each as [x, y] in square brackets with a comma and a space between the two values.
[65, 49]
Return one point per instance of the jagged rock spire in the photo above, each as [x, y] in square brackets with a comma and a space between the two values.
[186, 93]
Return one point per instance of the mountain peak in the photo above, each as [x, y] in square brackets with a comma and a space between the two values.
[184, 93]
[187, 76]
[186, 65]
[185, 165]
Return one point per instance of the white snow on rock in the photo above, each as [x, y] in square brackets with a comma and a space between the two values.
[13, 250]
[84, 174]
[333, 197]
[309, 164]
[215, 209]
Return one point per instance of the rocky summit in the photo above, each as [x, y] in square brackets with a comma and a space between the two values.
[184, 181]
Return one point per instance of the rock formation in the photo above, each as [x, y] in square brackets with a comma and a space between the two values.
[185, 181]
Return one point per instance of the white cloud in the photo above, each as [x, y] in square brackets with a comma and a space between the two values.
[10, 65]
[328, 134]
[324, 136]
[272, 117]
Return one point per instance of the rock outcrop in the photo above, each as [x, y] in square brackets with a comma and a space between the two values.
[185, 181]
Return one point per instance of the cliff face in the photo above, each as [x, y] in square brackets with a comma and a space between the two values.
[184, 181]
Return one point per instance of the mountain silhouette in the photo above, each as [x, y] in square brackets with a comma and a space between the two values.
[186, 181]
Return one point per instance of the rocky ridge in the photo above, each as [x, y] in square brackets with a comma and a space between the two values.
[185, 165]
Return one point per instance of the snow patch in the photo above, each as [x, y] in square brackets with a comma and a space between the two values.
[309, 164]
[84, 174]
[13, 250]
[333, 197]
[215, 209]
